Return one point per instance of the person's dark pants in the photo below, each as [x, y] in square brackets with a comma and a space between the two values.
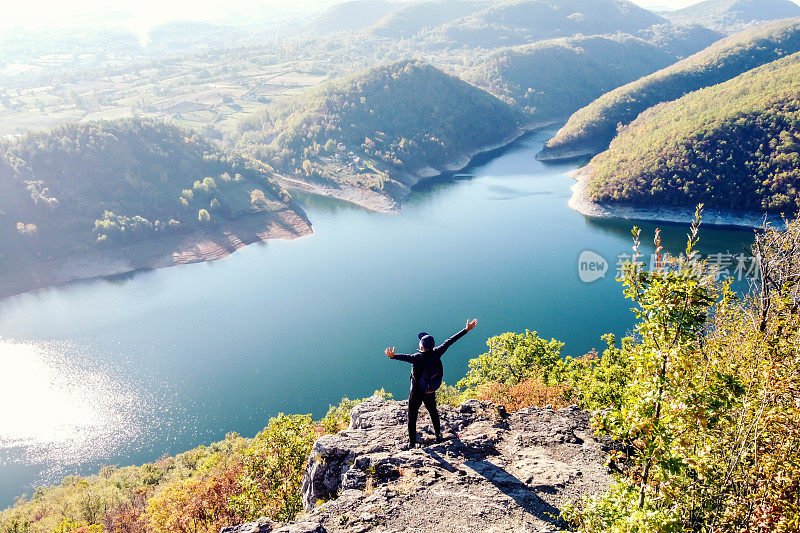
[415, 399]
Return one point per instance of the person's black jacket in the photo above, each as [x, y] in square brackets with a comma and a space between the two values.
[417, 359]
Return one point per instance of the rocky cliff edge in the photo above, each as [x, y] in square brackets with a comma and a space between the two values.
[495, 471]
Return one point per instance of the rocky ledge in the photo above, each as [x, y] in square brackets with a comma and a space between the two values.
[494, 471]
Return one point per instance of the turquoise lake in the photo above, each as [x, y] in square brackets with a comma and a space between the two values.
[124, 371]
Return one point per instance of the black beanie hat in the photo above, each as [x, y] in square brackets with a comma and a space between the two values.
[426, 341]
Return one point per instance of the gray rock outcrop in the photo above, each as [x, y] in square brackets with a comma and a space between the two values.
[494, 471]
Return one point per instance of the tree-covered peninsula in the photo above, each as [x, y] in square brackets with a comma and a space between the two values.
[381, 129]
[735, 145]
[125, 188]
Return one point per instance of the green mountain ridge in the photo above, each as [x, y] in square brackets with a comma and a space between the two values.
[735, 145]
[680, 41]
[591, 129]
[409, 20]
[373, 128]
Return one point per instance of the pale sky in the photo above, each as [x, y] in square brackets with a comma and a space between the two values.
[141, 14]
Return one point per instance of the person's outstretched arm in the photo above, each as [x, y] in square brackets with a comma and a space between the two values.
[446, 344]
[408, 358]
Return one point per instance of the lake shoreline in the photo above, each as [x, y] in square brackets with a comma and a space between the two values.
[392, 203]
[720, 218]
[163, 252]
[37, 274]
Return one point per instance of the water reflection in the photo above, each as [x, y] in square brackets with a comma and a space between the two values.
[57, 409]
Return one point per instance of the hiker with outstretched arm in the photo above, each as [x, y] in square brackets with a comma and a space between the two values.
[426, 377]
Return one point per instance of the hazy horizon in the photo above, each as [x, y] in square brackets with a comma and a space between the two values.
[141, 16]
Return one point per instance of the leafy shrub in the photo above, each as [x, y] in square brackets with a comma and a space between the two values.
[450, 395]
[617, 511]
[273, 468]
[338, 417]
[197, 504]
[522, 369]
[709, 418]
[513, 358]
[600, 381]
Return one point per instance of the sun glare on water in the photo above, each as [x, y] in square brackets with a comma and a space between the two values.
[58, 410]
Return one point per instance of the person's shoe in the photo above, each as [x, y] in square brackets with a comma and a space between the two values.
[439, 438]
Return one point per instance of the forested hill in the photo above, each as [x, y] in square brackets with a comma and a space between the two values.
[680, 41]
[375, 126]
[592, 128]
[410, 19]
[351, 16]
[734, 15]
[113, 182]
[459, 25]
[735, 145]
[551, 79]
[516, 22]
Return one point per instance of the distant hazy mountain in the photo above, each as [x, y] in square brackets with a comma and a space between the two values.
[514, 22]
[352, 16]
[182, 35]
[591, 129]
[680, 41]
[551, 79]
[412, 18]
[734, 15]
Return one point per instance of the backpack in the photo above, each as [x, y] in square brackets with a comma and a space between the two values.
[432, 373]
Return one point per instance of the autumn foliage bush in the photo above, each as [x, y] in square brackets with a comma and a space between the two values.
[710, 417]
[198, 504]
[529, 393]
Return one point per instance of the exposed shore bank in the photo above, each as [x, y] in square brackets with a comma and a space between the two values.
[580, 202]
[390, 199]
[34, 272]
[546, 155]
[568, 152]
